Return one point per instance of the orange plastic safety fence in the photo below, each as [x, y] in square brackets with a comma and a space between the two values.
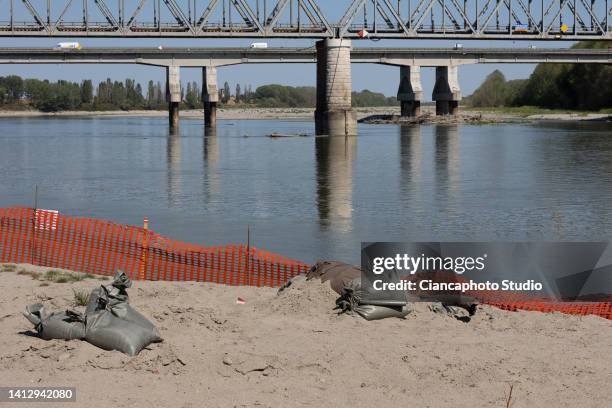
[100, 247]
[514, 301]
[46, 238]
[600, 309]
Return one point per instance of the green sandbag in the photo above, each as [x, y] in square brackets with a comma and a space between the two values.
[372, 312]
[113, 296]
[63, 325]
[351, 301]
[109, 323]
[345, 279]
[66, 325]
[112, 324]
[109, 332]
[108, 298]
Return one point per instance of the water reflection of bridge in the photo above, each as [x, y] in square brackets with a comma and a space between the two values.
[415, 166]
[210, 161]
[174, 171]
[334, 174]
[334, 171]
[334, 157]
[174, 174]
[447, 160]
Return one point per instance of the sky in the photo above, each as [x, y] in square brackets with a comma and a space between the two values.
[374, 77]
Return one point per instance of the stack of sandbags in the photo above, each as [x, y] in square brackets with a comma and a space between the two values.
[345, 280]
[109, 321]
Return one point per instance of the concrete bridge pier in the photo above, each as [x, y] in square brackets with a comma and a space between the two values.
[210, 96]
[334, 114]
[447, 93]
[410, 91]
[173, 95]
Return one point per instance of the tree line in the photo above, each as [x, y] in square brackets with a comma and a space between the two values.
[556, 86]
[47, 96]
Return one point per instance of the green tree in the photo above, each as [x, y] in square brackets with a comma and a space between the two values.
[67, 95]
[284, 96]
[118, 95]
[160, 96]
[192, 96]
[368, 98]
[14, 88]
[39, 94]
[226, 93]
[103, 98]
[133, 95]
[87, 92]
[150, 93]
[492, 92]
[140, 96]
[566, 86]
[3, 94]
[238, 93]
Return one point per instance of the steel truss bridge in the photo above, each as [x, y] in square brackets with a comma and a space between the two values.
[316, 19]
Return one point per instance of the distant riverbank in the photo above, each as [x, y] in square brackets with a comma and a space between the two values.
[222, 113]
[487, 115]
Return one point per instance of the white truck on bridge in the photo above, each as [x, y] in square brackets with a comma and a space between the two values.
[68, 46]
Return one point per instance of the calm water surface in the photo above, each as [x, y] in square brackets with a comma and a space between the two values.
[317, 197]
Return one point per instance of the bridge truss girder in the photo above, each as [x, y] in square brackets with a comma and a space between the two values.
[408, 19]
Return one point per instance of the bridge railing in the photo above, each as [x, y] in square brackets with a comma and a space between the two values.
[547, 19]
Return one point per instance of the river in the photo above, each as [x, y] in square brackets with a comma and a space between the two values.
[317, 197]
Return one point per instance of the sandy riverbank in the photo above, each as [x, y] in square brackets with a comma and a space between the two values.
[223, 114]
[293, 350]
[305, 114]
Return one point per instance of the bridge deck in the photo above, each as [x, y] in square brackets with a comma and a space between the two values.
[228, 56]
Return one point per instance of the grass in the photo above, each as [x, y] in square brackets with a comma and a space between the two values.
[81, 297]
[9, 267]
[31, 274]
[52, 275]
[64, 277]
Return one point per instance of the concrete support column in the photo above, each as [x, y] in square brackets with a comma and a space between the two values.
[334, 114]
[410, 91]
[173, 95]
[447, 93]
[210, 96]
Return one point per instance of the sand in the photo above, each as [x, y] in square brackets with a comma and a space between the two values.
[198, 114]
[293, 350]
[306, 114]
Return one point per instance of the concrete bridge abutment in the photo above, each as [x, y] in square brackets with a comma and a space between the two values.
[447, 93]
[173, 95]
[210, 96]
[410, 92]
[334, 114]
